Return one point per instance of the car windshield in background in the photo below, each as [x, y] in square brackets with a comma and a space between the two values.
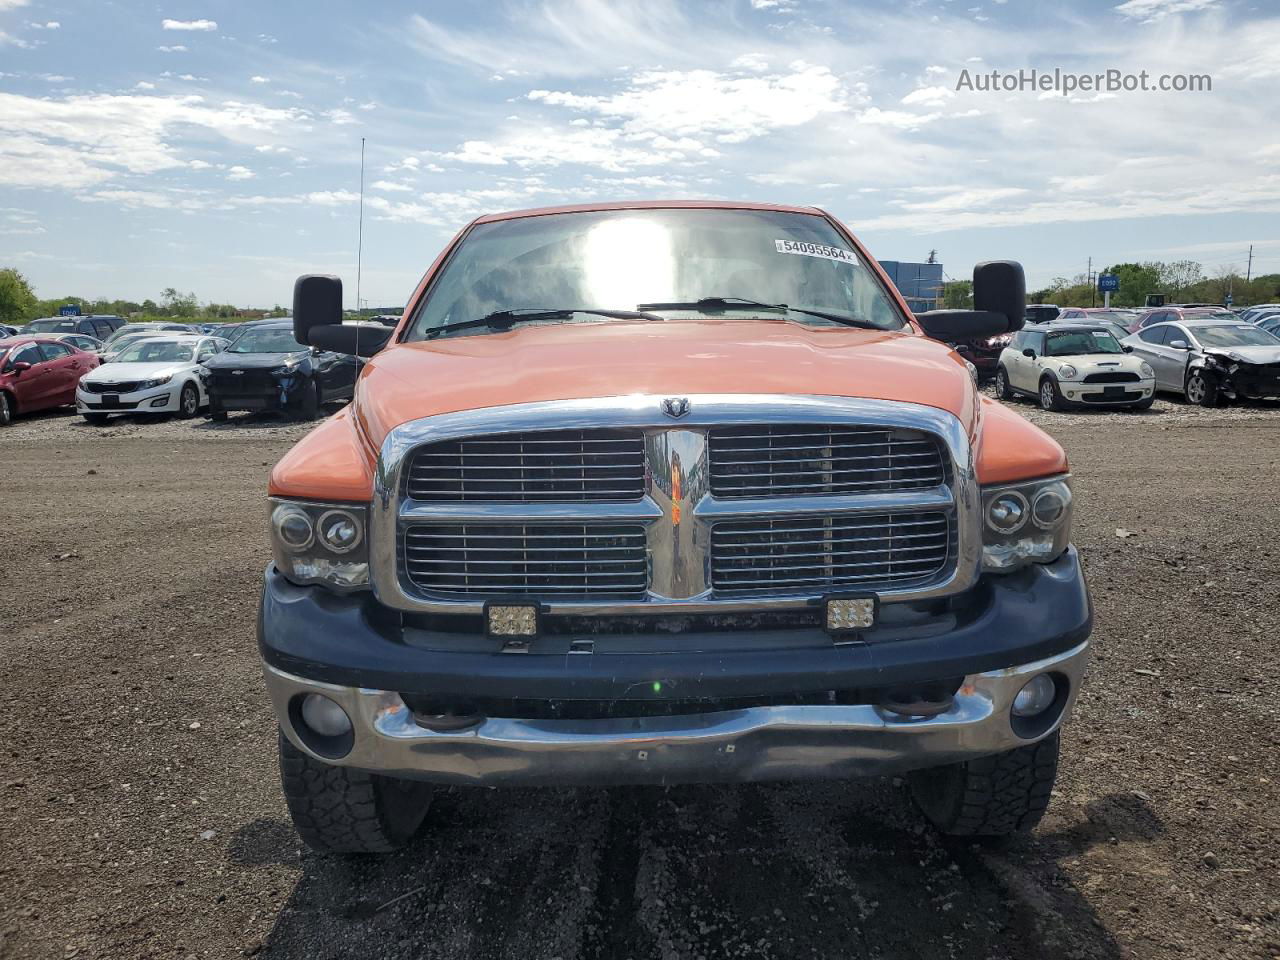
[1235, 335]
[1077, 342]
[617, 260]
[157, 351]
[277, 340]
[1041, 314]
[51, 326]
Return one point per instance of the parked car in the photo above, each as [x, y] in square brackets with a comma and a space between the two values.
[100, 326]
[1252, 313]
[1074, 364]
[1210, 360]
[1042, 312]
[1259, 316]
[80, 341]
[555, 541]
[6, 331]
[37, 373]
[1093, 314]
[136, 331]
[1117, 328]
[153, 375]
[1169, 315]
[265, 368]
[983, 353]
[1270, 323]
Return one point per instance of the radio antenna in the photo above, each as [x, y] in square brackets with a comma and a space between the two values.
[360, 246]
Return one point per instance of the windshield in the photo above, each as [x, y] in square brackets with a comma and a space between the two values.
[619, 259]
[1235, 335]
[52, 325]
[157, 351]
[1076, 342]
[266, 340]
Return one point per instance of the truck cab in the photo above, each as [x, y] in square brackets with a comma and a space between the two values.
[665, 493]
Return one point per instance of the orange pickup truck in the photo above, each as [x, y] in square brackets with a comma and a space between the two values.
[661, 493]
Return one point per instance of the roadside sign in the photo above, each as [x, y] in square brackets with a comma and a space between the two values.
[1108, 282]
[1230, 300]
[69, 310]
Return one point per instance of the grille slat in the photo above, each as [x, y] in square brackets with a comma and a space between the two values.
[792, 460]
[814, 553]
[567, 465]
[590, 561]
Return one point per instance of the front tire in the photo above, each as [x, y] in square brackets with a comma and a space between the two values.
[96, 419]
[216, 413]
[992, 796]
[6, 409]
[309, 407]
[1050, 396]
[340, 810]
[1003, 390]
[1201, 390]
[188, 401]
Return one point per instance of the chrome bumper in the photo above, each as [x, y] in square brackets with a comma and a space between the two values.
[759, 743]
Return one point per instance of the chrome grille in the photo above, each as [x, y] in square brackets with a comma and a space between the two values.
[821, 552]
[808, 460]
[564, 561]
[564, 465]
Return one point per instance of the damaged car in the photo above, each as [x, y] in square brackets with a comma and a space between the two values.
[265, 368]
[1210, 360]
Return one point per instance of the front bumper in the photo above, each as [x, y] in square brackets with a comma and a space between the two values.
[1107, 394]
[164, 399]
[370, 662]
[273, 393]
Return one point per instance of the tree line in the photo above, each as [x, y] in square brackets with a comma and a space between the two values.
[19, 304]
[1181, 281]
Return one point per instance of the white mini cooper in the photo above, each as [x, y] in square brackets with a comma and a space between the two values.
[1067, 365]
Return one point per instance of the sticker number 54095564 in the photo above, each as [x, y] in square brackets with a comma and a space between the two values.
[806, 249]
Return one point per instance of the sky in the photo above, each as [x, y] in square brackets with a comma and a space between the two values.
[214, 146]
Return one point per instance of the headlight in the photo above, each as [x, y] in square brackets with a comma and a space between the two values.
[1068, 372]
[320, 543]
[999, 340]
[1025, 523]
[1148, 373]
[283, 371]
[155, 382]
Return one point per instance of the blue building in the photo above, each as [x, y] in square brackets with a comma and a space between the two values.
[919, 283]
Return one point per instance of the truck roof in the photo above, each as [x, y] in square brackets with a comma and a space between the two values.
[648, 205]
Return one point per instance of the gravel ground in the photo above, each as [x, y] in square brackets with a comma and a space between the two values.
[141, 815]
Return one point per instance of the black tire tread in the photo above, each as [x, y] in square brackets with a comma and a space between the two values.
[338, 809]
[992, 796]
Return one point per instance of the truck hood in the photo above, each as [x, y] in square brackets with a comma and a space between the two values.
[529, 364]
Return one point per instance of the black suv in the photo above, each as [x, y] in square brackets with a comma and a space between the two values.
[265, 368]
[97, 325]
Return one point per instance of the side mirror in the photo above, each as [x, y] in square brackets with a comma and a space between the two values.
[1126, 348]
[1028, 352]
[20, 366]
[1179, 345]
[317, 319]
[999, 300]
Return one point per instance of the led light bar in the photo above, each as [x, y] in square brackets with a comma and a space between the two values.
[850, 613]
[505, 618]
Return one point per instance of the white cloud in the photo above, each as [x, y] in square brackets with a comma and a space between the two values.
[9, 40]
[49, 25]
[340, 117]
[12, 4]
[1149, 11]
[144, 85]
[898, 119]
[257, 79]
[179, 48]
[200, 25]
[271, 148]
[929, 96]
[239, 173]
[391, 186]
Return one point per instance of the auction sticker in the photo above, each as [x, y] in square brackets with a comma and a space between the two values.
[805, 249]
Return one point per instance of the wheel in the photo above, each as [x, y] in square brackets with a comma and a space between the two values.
[1201, 389]
[990, 797]
[97, 419]
[1050, 397]
[188, 401]
[6, 409]
[215, 411]
[339, 810]
[1003, 390]
[309, 405]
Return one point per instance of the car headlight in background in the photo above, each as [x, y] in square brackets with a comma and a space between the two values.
[1147, 371]
[1025, 523]
[999, 340]
[1068, 372]
[320, 543]
[154, 382]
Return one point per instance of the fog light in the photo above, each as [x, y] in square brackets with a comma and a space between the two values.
[511, 619]
[324, 716]
[1036, 697]
[850, 613]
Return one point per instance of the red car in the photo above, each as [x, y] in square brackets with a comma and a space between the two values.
[39, 372]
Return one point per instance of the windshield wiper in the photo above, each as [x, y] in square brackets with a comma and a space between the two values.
[505, 319]
[741, 303]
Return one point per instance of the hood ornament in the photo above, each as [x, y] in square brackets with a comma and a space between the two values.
[675, 407]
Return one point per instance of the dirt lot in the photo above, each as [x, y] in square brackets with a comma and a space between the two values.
[141, 815]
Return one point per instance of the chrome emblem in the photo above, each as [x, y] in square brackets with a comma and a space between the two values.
[237, 373]
[675, 407]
